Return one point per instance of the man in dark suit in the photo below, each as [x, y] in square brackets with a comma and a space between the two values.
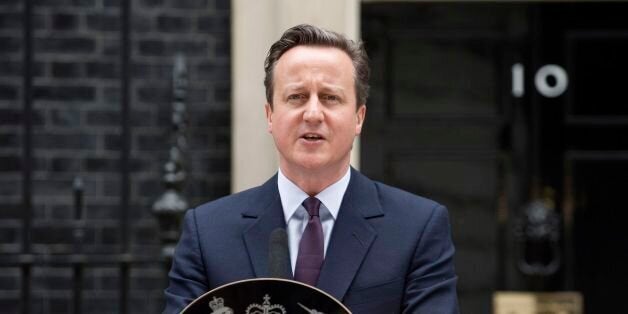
[374, 247]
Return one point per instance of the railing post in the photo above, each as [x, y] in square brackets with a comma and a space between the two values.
[79, 233]
[171, 205]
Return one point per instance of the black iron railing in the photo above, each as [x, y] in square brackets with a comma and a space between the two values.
[168, 209]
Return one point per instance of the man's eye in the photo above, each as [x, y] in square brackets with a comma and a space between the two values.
[331, 98]
[295, 97]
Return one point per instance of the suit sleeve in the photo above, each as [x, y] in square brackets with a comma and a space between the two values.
[431, 281]
[187, 276]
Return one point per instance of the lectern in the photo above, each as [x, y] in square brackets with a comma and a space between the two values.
[266, 296]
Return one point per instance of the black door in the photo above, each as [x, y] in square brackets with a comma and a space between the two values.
[491, 107]
[583, 140]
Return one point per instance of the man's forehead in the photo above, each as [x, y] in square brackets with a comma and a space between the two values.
[312, 53]
[326, 61]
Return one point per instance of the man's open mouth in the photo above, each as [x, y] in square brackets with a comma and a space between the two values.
[312, 137]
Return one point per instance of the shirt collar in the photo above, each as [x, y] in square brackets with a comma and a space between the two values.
[292, 196]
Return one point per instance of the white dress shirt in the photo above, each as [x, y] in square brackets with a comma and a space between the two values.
[296, 216]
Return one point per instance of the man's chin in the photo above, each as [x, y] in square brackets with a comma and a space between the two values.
[312, 162]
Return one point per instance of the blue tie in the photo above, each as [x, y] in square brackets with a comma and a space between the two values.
[310, 257]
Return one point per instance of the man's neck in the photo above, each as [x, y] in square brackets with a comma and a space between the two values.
[313, 182]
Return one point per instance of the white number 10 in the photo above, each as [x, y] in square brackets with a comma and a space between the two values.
[540, 80]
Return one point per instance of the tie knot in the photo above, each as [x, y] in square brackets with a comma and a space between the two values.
[312, 204]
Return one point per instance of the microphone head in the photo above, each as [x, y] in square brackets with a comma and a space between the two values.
[279, 255]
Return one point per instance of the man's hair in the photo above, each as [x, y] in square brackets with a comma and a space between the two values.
[309, 35]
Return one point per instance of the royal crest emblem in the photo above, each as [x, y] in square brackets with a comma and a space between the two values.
[265, 308]
[218, 306]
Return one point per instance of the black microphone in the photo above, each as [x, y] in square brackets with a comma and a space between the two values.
[279, 255]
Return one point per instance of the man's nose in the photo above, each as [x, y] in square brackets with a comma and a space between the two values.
[313, 110]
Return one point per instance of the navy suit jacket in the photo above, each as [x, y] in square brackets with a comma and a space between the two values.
[390, 251]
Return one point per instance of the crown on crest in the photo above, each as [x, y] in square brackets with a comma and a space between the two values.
[265, 308]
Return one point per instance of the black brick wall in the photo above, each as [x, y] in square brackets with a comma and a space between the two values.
[76, 77]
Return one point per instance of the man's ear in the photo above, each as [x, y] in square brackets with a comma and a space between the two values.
[360, 115]
[269, 117]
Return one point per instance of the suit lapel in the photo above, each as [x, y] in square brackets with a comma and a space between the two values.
[351, 237]
[266, 213]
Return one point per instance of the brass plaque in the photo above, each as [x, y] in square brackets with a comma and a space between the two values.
[510, 302]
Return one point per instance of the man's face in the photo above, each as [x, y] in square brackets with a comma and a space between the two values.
[314, 116]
